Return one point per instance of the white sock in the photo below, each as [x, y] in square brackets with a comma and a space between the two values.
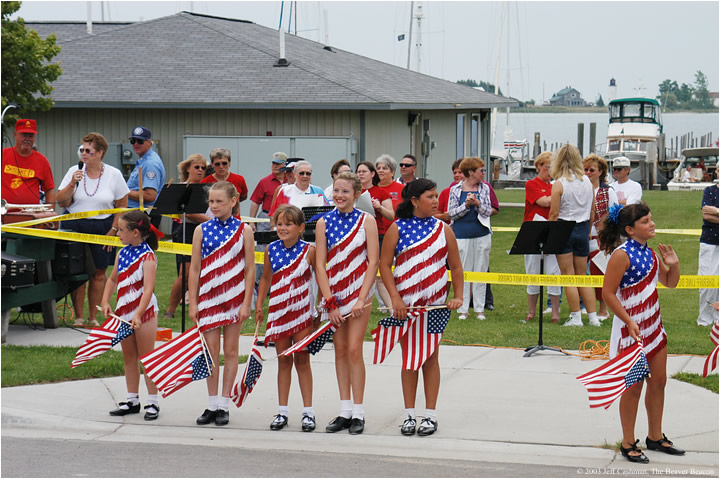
[576, 316]
[224, 403]
[346, 408]
[593, 317]
[133, 398]
[431, 414]
[410, 412]
[213, 402]
[358, 411]
[284, 410]
[309, 411]
[153, 399]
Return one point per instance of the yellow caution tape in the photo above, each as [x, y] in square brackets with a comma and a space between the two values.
[686, 281]
[688, 232]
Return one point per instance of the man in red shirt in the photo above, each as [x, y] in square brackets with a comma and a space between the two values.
[25, 172]
[262, 196]
[220, 160]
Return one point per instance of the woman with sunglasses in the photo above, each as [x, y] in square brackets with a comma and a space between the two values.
[300, 193]
[89, 186]
[596, 170]
[220, 161]
[192, 170]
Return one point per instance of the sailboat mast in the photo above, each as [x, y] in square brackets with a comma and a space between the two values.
[497, 70]
[412, 9]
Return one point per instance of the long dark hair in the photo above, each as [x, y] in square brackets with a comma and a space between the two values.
[613, 226]
[371, 167]
[138, 220]
[414, 189]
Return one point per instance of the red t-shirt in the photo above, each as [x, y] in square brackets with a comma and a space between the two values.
[444, 198]
[24, 176]
[534, 190]
[264, 191]
[236, 180]
[394, 189]
[381, 195]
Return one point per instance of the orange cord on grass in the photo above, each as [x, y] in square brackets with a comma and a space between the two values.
[62, 315]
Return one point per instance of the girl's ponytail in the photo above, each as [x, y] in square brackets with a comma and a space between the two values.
[138, 220]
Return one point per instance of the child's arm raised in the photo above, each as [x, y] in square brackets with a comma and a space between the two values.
[669, 273]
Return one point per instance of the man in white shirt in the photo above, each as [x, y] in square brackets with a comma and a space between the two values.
[628, 191]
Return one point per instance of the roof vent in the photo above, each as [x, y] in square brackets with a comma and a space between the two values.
[328, 48]
[282, 61]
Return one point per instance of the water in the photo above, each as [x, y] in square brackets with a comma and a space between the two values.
[562, 127]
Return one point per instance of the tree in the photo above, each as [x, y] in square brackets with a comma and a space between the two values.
[684, 94]
[488, 87]
[27, 70]
[702, 96]
[599, 101]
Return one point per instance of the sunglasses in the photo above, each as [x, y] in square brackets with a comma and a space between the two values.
[136, 140]
[199, 167]
[619, 168]
[590, 170]
[88, 151]
[305, 173]
[406, 165]
[220, 163]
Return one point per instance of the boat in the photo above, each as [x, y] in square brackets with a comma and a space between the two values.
[702, 172]
[635, 130]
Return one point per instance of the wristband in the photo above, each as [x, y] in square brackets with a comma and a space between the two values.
[114, 229]
[332, 303]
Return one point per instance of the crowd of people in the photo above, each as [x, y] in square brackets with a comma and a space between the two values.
[400, 227]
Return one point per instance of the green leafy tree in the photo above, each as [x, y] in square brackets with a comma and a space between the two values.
[684, 94]
[702, 95]
[27, 70]
[599, 101]
[488, 87]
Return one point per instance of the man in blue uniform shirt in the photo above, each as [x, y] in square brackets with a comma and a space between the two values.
[152, 167]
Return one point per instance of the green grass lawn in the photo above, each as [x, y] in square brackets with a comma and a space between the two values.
[671, 210]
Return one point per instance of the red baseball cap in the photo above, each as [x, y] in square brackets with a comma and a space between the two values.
[26, 126]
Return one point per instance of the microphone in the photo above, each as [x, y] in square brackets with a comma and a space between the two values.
[80, 167]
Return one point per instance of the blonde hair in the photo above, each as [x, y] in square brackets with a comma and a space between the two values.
[601, 165]
[352, 178]
[184, 166]
[291, 213]
[229, 189]
[471, 163]
[567, 163]
[542, 158]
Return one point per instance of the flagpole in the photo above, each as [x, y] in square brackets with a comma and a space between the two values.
[202, 340]
[426, 308]
[114, 316]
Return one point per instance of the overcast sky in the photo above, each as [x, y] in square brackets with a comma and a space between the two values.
[545, 46]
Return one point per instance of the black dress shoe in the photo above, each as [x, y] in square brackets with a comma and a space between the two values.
[427, 427]
[357, 425]
[658, 446]
[279, 422]
[151, 412]
[130, 409]
[408, 427]
[641, 458]
[207, 417]
[338, 424]
[222, 417]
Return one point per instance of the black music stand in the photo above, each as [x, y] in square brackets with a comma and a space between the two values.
[542, 237]
[311, 214]
[182, 199]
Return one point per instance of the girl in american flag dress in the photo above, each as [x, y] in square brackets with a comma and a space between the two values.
[222, 271]
[346, 266]
[421, 246]
[288, 274]
[630, 291]
[134, 277]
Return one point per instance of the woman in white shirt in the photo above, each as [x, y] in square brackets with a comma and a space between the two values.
[94, 186]
[572, 200]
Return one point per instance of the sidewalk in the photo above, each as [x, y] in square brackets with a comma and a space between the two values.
[494, 405]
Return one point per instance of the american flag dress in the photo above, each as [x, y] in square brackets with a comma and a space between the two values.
[290, 292]
[421, 279]
[130, 282]
[638, 295]
[347, 259]
[222, 273]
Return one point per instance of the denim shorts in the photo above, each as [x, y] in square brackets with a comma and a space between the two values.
[579, 242]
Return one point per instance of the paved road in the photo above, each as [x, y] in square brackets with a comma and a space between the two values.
[74, 458]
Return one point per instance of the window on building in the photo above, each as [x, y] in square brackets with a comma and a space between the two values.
[475, 136]
[460, 137]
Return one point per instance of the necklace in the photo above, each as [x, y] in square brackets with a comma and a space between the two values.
[102, 170]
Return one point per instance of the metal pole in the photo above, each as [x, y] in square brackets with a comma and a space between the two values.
[580, 137]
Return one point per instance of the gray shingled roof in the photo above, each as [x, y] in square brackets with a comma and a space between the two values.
[191, 60]
[65, 31]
